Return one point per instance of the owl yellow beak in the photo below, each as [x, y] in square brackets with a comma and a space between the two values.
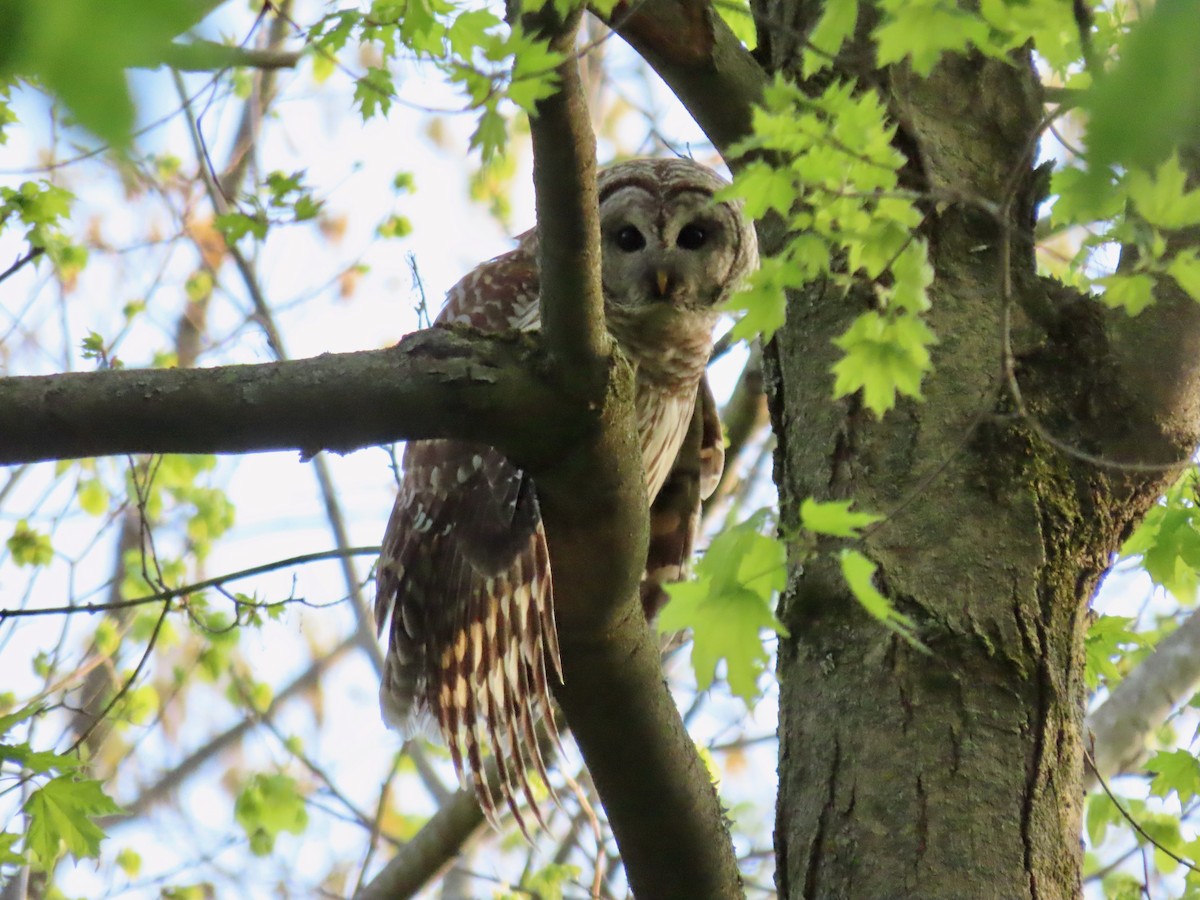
[663, 281]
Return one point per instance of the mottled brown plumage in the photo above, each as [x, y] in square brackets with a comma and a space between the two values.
[465, 575]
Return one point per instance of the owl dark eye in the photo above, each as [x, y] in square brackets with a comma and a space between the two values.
[691, 237]
[630, 240]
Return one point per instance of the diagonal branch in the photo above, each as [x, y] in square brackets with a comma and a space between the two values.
[1121, 728]
[692, 49]
[660, 801]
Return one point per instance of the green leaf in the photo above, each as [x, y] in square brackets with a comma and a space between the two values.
[491, 133]
[834, 518]
[825, 40]
[884, 357]
[1101, 813]
[93, 497]
[235, 225]
[394, 226]
[548, 883]
[1085, 196]
[130, 862]
[268, 805]
[7, 856]
[373, 92]
[1148, 103]
[729, 604]
[16, 718]
[1163, 199]
[762, 187]
[79, 50]
[62, 810]
[924, 30]
[1132, 293]
[1106, 639]
[913, 275]
[1185, 269]
[38, 761]
[1175, 770]
[29, 547]
[859, 573]
[1048, 23]
[740, 19]
[724, 626]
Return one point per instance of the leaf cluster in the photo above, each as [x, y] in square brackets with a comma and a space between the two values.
[827, 166]
[59, 812]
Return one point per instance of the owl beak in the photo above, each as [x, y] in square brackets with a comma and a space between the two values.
[662, 280]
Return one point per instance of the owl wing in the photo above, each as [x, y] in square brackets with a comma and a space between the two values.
[465, 576]
[675, 512]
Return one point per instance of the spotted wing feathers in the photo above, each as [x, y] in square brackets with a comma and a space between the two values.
[465, 578]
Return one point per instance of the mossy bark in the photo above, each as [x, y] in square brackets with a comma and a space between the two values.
[956, 773]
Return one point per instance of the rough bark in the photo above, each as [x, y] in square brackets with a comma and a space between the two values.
[959, 773]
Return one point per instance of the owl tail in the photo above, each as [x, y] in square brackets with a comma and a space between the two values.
[488, 686]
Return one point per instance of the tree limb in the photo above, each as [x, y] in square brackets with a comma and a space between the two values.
[692, 49]
[435, 383]
[187, 767]
[660, 801]
[209, 56]
[1137, 707]
[564, 180]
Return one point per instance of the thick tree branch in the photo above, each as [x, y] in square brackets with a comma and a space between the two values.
[435, 383]
[692, 49]
[1118, 730]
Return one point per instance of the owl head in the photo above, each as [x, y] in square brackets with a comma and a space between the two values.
[666, 243]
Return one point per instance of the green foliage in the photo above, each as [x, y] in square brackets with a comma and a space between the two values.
[729, 604]
[44, 208]
[1168, 540]
[859, 573]
[1142, 108]
[236, 225]
[922, 31]
[28, 546]
[79, 49]
[835, 26]
[834, 518]
[885, 357]
[497, 67]
[738, 17]
[547, 883]
[1108, 639]
[268, 805]
[61, 811]
[835, 183]
[1175, 771]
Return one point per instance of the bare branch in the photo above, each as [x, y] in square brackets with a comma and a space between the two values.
[568, 217]
[435, 383]
[209, 56]
[170, 780]
[701, 60]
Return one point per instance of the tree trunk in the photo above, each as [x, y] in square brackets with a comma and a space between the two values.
[958, 773]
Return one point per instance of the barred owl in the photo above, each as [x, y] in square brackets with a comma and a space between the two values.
[464, 574]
